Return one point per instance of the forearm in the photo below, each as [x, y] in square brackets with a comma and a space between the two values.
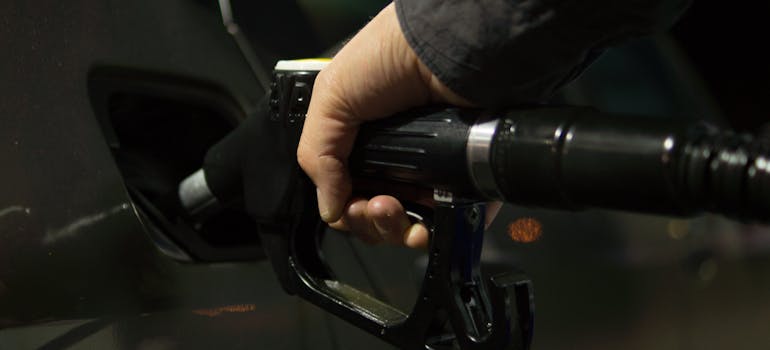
[501, 52]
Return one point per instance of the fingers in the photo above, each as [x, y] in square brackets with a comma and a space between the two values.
[389, 218]
[364, 81]
[356, 220]
[327, 137]
[382, 219]
[330, 175]
[391, 221]
[416, 237]
[333, 186]
[376, 74]
[403, 191]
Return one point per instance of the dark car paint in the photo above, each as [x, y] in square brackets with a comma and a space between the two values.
[71, 238]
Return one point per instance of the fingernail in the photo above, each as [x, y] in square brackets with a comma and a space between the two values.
[415, 237]
[323, 206]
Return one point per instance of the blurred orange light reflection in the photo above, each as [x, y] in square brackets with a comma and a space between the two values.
[525, 230]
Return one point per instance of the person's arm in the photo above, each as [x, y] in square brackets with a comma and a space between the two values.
[504, 52]
[490, 52]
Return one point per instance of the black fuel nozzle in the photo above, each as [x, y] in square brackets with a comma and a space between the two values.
[556, 157]
[572, 158]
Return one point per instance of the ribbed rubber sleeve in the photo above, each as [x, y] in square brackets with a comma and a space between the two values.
[727, 173]
[422, 146]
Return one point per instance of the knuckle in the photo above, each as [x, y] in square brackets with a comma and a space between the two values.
[303, 158]
[326, 78]
[331, 164]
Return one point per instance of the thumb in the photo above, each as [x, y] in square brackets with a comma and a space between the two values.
[333, 186]
[326, 142]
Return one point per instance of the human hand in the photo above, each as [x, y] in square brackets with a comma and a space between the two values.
[375, 75]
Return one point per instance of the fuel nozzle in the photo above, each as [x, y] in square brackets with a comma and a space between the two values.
[554, 157]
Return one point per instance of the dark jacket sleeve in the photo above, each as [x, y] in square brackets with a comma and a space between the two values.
[502, 52]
